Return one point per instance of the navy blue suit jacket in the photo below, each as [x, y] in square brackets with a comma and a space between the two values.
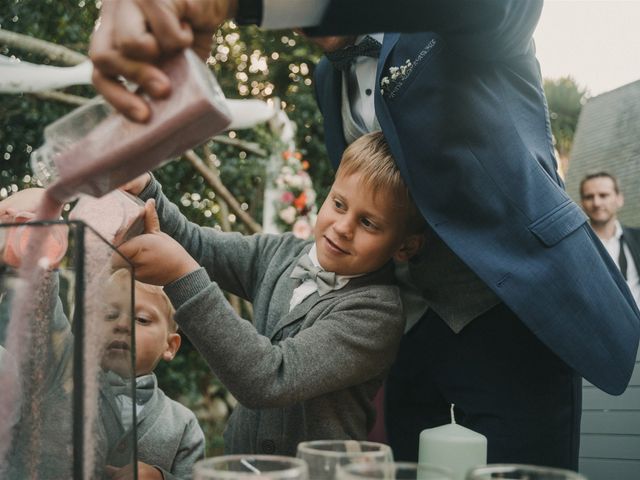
[469, 129]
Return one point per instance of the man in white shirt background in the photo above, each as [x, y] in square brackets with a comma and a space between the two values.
[601, 199]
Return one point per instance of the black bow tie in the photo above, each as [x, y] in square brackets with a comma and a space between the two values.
[343, 58]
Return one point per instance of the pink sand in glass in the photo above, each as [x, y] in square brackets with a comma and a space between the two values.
[23, 341]
[117, 216]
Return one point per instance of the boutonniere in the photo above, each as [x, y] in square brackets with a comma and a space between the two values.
[389, 84]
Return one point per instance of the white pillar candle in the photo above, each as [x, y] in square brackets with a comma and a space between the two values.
[454, 447]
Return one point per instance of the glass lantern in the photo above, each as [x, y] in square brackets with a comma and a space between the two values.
[67, 354]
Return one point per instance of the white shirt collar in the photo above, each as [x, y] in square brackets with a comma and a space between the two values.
[618, 232]
[340, 279]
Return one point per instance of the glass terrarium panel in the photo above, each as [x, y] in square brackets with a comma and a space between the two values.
[67, 349]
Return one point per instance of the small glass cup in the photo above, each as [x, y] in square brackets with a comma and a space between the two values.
[251, 467]
[392, 471]
[51, 246]
[323, 456]
[522, 472]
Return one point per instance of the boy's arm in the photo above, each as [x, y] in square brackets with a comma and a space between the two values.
[234, 261]
[354, 341]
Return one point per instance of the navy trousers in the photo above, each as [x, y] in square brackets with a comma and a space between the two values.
[503, 381]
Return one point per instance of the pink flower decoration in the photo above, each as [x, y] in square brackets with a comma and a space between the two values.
[302, 229]
[287, 197]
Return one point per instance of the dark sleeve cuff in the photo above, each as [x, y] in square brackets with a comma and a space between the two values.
[249, 12]
[183, 289]
[152, 189]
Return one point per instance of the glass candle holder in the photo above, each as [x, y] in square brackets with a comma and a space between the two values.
[323, 456]
[251, 467]
[392, 471]
[522, 472]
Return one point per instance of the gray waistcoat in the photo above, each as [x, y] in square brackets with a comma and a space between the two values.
[445, 285]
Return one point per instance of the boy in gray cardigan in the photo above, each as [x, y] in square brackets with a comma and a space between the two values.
[327, 314]
[169, 439]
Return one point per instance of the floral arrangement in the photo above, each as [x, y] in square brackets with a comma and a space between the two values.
[296, 201]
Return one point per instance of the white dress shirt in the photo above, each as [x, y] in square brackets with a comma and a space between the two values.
[362, 80]
[613, 247]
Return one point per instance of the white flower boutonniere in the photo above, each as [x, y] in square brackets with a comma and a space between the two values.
[390, 83]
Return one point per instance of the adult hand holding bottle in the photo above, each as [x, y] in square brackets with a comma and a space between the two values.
[132, 35]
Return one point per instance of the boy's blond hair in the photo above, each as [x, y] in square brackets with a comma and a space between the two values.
[371, 157]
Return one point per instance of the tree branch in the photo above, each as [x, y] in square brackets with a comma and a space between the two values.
[241, 144]
[56, 53]
[61, 97]
[220, 189]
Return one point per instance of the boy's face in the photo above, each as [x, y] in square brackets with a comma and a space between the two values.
[357, 231]
[154, 341]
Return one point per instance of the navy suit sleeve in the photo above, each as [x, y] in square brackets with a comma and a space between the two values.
[481, 29]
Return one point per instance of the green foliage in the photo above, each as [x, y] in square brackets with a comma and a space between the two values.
[23, 117]
[565, 99]
[249, 63]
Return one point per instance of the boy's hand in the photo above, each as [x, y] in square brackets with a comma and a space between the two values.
[137, 185]
[24, 201]
[145, 472]
[158, 259]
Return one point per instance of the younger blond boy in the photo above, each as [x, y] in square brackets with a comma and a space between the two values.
[170, 439]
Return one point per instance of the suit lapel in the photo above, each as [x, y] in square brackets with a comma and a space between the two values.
[382, 110]
[331, 102]
[297, 313]
[389, 41]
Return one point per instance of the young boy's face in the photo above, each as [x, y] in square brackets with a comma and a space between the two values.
[154, 340]
[357, 230]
